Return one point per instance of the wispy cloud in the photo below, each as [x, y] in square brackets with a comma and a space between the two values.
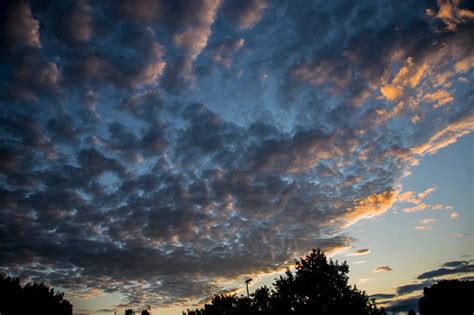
[383, 269]
[428, 221]
[359, 252]
[416, 199]
[359, 262]
[423, 228]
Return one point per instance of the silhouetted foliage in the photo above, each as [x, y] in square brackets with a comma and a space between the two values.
[147, 311]
[32, 298]
[411, 312]
[448, 297]
[317, 286]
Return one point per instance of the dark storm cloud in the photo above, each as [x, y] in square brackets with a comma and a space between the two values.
[151, 147]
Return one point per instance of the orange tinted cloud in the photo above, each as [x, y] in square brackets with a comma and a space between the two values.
[409, 196]
[440, 97]
[373, 205]
[418, 208]
[446, 136]
[451, 14]
[194, 39]
[464, 64]
[427, 192]
[416, 199]
[408, 76]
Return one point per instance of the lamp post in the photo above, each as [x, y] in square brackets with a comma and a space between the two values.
[247, 286]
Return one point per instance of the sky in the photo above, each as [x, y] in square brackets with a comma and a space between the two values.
[159, 152]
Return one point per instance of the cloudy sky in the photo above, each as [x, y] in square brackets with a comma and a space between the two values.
[158, 152]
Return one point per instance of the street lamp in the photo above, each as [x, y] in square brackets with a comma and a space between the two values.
[247, 286]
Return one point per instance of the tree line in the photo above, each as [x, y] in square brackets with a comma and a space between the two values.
[317, 286]
[320, 287]
[31, 298]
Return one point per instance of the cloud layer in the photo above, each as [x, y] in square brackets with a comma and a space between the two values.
[161, 148]
[407, 296]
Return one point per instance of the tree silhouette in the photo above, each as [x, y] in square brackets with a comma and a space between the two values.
[320, 287]
[32, 298]
[317, 286]
[448, 297]
[261, 302]
[147, 311]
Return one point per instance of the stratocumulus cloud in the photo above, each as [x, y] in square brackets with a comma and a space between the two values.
[157, 148]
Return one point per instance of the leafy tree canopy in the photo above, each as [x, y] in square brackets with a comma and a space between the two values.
[317, 286]
[32, 298]
[448, 297]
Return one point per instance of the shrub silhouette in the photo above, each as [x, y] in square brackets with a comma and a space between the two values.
[448, 297]
[317, 286]
[32, 298]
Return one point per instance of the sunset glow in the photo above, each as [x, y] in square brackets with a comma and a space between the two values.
[160, 152]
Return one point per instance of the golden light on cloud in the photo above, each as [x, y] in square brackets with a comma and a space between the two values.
[200, 141]
[440, 97]
[409, 76]
[451, 13]
[446, 136]
[372, 206]
[418, 208]
[391, 92]
[415, 198]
